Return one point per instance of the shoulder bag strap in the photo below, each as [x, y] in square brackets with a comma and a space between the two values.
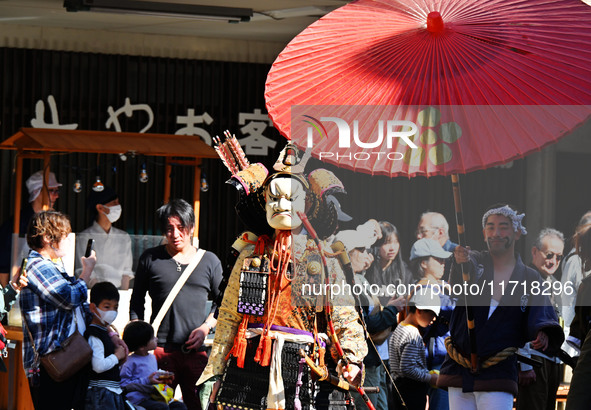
[175, 290]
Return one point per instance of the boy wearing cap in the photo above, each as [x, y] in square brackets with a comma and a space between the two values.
[112, 245]
[34, 185]
[408, 363]
[428, 260]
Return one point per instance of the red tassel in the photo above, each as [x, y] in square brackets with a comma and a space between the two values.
[263, 354]
[239, 348]
[267, 344]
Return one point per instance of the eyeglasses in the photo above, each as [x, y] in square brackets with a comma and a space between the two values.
[54, 191]
[551, 255]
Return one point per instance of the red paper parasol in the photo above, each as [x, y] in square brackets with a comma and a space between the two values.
[478, 83]
[457, 73]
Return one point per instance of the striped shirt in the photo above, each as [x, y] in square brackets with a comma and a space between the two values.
[407, 354]
[47, 304]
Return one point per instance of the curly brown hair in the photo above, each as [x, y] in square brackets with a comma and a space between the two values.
[51, 224]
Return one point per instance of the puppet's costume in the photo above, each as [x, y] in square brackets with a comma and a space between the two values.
[273, 306]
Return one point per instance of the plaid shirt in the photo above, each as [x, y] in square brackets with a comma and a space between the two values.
[47, 304]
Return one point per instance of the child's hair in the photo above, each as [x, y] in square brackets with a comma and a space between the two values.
[103, 291]
[137, 334]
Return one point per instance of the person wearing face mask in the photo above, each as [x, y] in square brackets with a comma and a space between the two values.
[53, 304]
[104, 386]
[112, 245]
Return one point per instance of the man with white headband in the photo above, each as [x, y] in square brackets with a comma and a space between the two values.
[509, 310]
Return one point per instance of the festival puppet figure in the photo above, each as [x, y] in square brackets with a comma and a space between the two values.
[272, 326]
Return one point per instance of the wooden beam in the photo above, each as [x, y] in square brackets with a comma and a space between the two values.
[167, 180]
[45, 187]
[196, 196]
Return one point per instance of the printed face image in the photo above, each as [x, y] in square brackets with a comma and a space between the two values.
[284, 198]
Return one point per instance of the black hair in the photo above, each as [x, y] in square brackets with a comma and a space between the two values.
[137, 334]
[387, 230]
[105, 196]
[398, 269]
[103, 291]
[179, 208]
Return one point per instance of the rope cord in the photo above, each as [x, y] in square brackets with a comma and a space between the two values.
[465, 362]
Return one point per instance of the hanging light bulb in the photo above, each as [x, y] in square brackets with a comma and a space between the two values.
[123, 156]
[77, 187]
[144, 174]
[98, 185]
[204, 183]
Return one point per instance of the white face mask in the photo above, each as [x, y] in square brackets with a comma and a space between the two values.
[114, 213]
[107, 317]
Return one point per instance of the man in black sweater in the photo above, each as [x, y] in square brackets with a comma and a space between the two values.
[186, 324]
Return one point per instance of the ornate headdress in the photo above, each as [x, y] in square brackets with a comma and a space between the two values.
[323, 209]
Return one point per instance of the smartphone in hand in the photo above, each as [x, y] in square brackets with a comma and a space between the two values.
[89, 246]
[23, 269]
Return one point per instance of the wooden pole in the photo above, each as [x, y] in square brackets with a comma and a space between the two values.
[18, 191]
[455, 180]
[196, 195]
[45, 187]
[167, 180]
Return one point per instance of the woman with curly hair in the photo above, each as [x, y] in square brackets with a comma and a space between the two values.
[49, 304]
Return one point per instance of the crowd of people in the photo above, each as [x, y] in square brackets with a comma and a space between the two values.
[277, 347]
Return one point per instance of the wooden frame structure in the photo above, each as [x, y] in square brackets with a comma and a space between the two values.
[40, 143]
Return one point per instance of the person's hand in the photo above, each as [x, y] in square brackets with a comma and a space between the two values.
[398, 302]
[118, 342]
[164, 377]
[120, 353]
[19, 281]
[526, 378]
[351, 373]
[461, 254]
[541, 341]
[361, 260]
[153, 378]
[197, 336]
[87, 266]
[434, 377]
